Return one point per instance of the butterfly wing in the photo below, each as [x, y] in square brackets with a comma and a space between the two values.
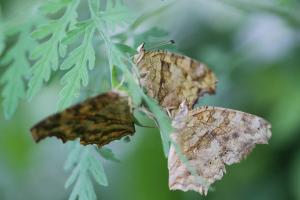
[211, 137]
[98, 120]
[171, 78]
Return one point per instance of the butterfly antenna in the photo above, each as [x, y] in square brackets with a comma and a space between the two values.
[157, 45]
[161, 44]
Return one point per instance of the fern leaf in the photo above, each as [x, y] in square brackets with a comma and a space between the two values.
[76, 32]
[13, 77]
[116, 13]
[74, 175]
[162, 121]
[50, 7]
[97, 171]
[86, 165]
[78, 63]
[47, 53]
[108, 154]
[73, 155]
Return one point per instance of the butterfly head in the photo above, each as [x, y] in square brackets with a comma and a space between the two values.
[141, 50]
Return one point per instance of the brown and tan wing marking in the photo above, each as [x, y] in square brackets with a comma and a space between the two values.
[98, 120]
[211, 137]
[171, 78]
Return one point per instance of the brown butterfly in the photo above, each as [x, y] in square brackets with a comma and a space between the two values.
[171, 78]
[210, 137]
[98, 120]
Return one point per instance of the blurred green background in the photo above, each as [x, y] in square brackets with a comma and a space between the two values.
[253, 48]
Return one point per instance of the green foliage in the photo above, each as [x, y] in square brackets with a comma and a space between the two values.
[53, 6]
[86, 164]
[78, 62]
[53, 39]
[108, 154]
[83, 57]
[162, 121]
[115, 14]
[18, 70]
[47, 53]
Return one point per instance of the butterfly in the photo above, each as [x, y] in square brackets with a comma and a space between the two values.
[172, 78]
[97, 120]
[210, 138]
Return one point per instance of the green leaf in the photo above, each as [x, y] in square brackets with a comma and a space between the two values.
[73, 155]
[75, 33]
[45, 30]
[115, 75]
[126, 49]
[74, 175]
[97, 171]
[115, 14]
[118, 59]
[108, 154]
[47, 53]
[94, 6]
[80, 60]
[18, 69]
[86, 165]
[50, 7]
[163, 122]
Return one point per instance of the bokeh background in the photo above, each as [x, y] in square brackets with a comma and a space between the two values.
[253, 48]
